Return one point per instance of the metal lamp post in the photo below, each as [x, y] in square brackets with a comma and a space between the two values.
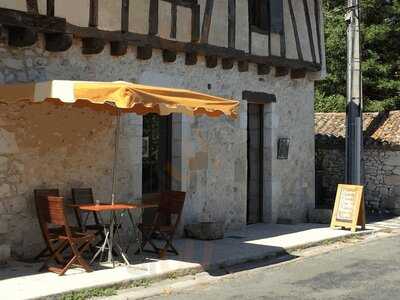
[354, 137]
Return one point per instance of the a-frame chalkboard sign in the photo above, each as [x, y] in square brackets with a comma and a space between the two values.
[349, 211]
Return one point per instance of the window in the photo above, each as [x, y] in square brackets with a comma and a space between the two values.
[259, 15]
[266, 16]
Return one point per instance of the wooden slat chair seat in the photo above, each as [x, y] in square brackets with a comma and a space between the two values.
[52, 211]
[170, 205]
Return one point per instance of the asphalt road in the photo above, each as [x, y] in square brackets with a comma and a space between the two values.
[363, 271]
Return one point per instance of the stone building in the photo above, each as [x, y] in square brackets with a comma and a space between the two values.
[267, 54]
[381, 158]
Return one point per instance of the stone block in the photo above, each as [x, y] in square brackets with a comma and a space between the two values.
[396, 190]
[13, 63]
[286, 221]
[3, 164]
[393, 160]
[321, 216]
[17, 204]
[199, 162]
[5, 253]
[395, 211]
[392, 180]
[8, 145]
[396, 171]
[3, 225]
[205, 230]
[5, 190]
[240, 170]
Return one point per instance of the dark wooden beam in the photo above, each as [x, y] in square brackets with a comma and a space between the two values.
[243, 66]
[32, 7]
[205, 30]
[281, 71]
[125, 16]
[227, 63]
[295, 31]
[156, 42]
[94, 13]
[199, 48]
[58, 42]
[174, 19]
[190, 58]
[231, 23]
[283, 43]
[92, 45]
[298, 73]
[258, 97]
[153, 17]
[21, 37]
[195, 23]
[263, 69]
[118, 48]
[317, 25]
[309, 30]
[168, 56]
[37, 23]
[211, 61]
[144, 52]
[50, 8]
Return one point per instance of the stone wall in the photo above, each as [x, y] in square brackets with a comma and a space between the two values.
[381, 173]
[51, 146]
[43, 145]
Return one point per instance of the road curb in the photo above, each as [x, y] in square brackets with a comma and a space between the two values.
[212, 267]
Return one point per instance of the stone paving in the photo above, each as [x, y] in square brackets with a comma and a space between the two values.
[19, 280]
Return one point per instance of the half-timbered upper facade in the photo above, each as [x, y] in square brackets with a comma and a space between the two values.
[282, 33]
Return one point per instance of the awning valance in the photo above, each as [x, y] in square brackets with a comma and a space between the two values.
[128, 97]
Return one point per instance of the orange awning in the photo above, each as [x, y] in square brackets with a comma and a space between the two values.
[128, 97]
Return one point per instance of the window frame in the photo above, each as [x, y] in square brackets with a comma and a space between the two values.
[255, 19]
[185, 3]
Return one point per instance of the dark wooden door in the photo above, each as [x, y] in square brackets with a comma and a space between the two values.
[157, 131]
[156, 159]
[255, 133]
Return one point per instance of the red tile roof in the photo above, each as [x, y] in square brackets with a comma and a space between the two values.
[379, 128]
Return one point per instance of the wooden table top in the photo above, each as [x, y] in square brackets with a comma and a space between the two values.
[113, 207]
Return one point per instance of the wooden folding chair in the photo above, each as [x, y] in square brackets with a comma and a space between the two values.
[40, 195]
[171, 205]
[85, 196]
[52, 212]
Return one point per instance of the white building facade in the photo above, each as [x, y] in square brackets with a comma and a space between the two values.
[256, 168]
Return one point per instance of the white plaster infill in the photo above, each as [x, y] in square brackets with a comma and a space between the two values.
[22, 281]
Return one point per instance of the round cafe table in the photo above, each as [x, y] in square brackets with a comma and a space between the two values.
[110, 244]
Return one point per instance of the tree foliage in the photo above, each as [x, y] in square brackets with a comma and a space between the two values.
[380, 38]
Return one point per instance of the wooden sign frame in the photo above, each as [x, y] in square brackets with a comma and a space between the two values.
[342, 216]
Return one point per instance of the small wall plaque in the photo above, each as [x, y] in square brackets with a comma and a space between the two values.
[283, 148]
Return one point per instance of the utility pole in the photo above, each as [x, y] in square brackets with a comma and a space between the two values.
[354, 108]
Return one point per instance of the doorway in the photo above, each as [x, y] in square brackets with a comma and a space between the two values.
[157, 153]
[255, 161]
